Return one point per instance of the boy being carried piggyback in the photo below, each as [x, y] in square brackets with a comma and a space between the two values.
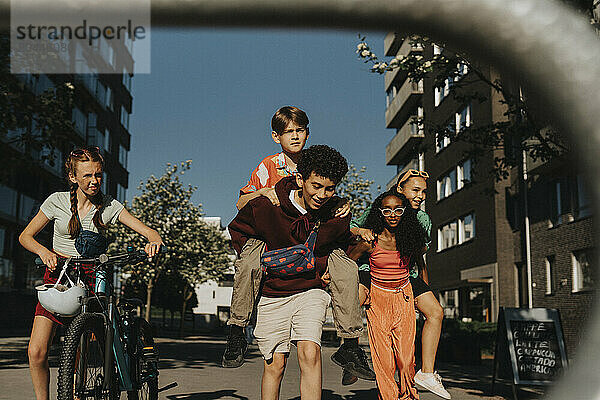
[290, 130]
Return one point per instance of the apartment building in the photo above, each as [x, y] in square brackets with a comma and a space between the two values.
[100, 117]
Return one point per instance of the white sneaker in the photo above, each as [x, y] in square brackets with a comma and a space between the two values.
[432, 382]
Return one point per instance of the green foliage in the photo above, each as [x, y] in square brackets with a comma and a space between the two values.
[196, 251]
[520, 132]
[33, 124]
[355, 187]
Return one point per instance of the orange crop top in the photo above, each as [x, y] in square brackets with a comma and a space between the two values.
[388, 267]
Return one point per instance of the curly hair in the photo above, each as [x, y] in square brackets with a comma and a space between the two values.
[409, 235]
[324, 161]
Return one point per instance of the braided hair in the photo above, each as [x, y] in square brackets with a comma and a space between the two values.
[409, 234]
[77, 156]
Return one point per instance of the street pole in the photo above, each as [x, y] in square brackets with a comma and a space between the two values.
[527, 236]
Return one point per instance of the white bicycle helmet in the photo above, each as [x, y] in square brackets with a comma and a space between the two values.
[64, 300]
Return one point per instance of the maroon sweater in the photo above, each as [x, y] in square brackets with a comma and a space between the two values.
[283, 226]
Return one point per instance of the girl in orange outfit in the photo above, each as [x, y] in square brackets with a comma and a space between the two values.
[391, 316]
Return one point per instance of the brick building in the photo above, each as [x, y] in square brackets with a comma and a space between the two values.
[477, 260]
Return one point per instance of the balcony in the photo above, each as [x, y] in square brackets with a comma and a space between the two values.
[391, 44]
[403, 143]
[404, 103]
[398, 74]
[414, 164]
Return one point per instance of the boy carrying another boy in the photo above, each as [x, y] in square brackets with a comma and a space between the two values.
[290, 130]
[293, 303]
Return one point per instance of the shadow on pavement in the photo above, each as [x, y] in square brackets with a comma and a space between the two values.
[13, 353]
[356, 395]
[219, 394]
[195, 354]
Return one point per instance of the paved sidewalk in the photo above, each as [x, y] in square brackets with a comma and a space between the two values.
[194, 363]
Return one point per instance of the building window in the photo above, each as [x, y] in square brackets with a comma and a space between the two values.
[124, 118]
[8, 201]
[126, 79]
[584, 199]
[448, 235]
[107, 140]
[583, 270]
[454, 180]
[449, 300]
[456, 232]
[557, 205]
[441, 142]
[79, 121]
[123, 156]
[121, 193]
[28, 208]
[464, 174]
[447, 184]
[463, 118]
[549, 262]
[466, 229]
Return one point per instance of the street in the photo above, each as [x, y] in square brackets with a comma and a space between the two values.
[194, 363]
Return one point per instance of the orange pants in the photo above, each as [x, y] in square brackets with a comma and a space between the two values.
[392, 325]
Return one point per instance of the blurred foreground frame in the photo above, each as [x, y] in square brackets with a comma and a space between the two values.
[547, 47]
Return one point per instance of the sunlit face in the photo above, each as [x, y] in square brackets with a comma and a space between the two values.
[316, 190]
[414, 190]
[88, 176]
[292, 139]
[395, 204]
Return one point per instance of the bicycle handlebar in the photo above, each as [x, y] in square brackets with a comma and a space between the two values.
[109, 259]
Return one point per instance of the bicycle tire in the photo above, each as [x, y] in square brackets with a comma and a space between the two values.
[147, 370]
[82, 357]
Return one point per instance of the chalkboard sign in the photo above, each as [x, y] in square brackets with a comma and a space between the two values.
[531, 342]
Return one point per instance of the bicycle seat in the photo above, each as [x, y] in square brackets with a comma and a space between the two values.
[133, 302]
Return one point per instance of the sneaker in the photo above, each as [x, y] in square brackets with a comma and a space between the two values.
[354, 360]
[235, 350]
[348, 378]
[432, 382]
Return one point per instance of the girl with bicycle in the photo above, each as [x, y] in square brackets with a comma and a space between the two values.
[75, 213]
[391, 315]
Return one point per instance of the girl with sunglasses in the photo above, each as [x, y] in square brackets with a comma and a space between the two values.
[391, 315]
[83, 208]
[413, 185]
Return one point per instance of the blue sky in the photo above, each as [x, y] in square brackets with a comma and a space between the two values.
[211, 95]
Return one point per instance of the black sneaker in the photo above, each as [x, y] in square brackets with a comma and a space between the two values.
[354, 360]
[235, 350]
[348, 378]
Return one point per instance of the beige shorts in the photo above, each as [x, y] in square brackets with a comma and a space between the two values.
[284, 320]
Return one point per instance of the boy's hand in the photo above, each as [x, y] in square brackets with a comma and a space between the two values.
[270, 194]
[343, 211]
[366, 234]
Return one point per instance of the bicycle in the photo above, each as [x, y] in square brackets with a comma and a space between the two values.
[107, 348]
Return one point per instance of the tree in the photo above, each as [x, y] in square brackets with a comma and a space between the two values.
[210, 260]
[165, 204]
[524, 130]
[356, 188]
[34, 124]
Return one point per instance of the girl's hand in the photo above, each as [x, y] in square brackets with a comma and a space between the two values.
[326, 278]
[50, 259]
[366, 234]
[363, 295]
[152, 248]
[343, 211]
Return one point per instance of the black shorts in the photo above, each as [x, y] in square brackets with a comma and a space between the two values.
[419, 286]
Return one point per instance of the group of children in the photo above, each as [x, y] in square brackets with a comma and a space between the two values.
[290, 200]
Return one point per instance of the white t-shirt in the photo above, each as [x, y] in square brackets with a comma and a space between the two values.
[57, 208]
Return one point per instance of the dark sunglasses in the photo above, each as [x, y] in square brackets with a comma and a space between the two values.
[80, 152]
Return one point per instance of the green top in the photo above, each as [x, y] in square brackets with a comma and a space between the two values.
[423, 219]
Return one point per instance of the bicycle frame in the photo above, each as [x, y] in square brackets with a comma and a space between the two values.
[114, 348]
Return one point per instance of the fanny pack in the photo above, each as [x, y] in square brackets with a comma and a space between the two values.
[291, 261]
[90, 244]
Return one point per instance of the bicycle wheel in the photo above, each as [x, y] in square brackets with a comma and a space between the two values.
[146, 364]
[81, 369]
